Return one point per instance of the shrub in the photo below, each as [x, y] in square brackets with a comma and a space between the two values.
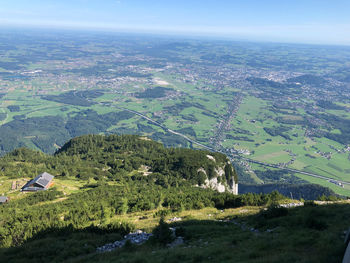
[162, 213]
[315, 223]
[180, 232]
[162, 233]
[274, 212]
[309, 203]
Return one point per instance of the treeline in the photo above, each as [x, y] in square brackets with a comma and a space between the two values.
[278, 131]
[2, 116]
[340, 123]
[89, 122]
[97, 205]
[276, 176]
[329, 105]
[103, 71]
[44, 132]
[14, 108]
[79, 98]
[309, 79]
[273, 89]
[298, 191]
[47, 131]
[263, 83]
[177, 108]
[153, 93]
[239, 138]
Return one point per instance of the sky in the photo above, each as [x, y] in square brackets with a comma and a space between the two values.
[294, 21]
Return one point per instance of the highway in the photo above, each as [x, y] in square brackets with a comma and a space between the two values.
[231, 155]
[294, 170]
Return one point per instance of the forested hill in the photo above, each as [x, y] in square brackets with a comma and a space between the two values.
[99, 177]
[116, 158]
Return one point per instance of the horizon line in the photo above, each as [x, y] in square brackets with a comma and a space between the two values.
[167, 33]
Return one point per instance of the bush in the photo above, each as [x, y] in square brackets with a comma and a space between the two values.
[314, 223]
[162, 213]
[180, 232]
[128, 246]
[162, 233]
[121, 228]
[274, 212]
[309, 203]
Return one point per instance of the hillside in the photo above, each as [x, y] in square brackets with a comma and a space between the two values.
[115, 158]
[107, 186]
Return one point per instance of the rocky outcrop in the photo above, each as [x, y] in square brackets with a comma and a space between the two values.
[139, 237]
[211, 157]
[215, 185]
[222, 178]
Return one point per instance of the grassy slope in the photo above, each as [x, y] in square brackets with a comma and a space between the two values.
[211, 241]
[293, 239]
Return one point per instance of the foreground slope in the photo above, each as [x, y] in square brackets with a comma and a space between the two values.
[304, 234]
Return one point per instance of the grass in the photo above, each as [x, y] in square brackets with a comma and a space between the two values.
[294, 239]
[66, 185]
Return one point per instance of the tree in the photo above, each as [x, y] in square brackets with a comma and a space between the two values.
[163, 233]
[123, 207]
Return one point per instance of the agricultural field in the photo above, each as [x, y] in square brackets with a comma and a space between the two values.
[285, 105]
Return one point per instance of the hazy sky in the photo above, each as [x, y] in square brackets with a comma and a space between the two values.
[305, 21]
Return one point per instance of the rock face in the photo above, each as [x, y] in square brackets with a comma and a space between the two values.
[234, 187]
[215, 185]
[211, 157]
[138, 237]
[222, 179]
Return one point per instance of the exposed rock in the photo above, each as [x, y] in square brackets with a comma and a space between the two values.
[233, 188]
[289, 205]
[215, 185]
[175, 219]
[137, 238]
[202, 170]
[211, 157]
[145, 170]
[178, 241]
[220, 172]
[219, 182]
